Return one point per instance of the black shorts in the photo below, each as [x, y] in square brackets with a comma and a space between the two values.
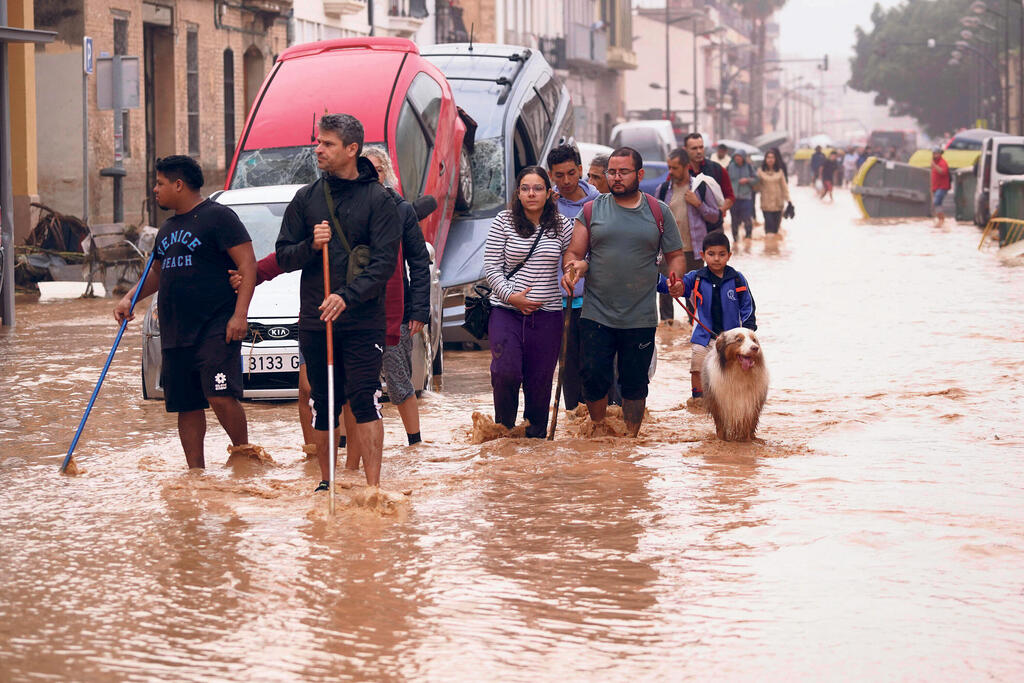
[208, 368]
[358, 355]
[600, 343]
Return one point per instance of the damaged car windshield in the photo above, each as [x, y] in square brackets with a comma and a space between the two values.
[488, 176]
[275, 166]
[279, 166]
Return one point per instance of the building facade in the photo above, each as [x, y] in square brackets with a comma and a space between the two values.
[589, 44]
[200, 66]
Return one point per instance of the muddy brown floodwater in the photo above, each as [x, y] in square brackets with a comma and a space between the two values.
[876, 533]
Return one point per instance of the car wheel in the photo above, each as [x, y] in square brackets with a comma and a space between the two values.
[464, 197]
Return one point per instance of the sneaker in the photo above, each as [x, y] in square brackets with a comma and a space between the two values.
[323, 486]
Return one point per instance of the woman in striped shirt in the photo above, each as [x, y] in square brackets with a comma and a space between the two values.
[526, 321]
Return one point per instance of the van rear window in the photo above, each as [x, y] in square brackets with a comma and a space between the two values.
[1010, 160]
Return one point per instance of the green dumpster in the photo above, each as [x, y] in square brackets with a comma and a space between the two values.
[1011, 199]
[966, 181]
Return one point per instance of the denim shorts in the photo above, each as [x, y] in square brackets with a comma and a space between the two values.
[938, 196]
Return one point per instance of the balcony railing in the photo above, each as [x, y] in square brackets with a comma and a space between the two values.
[342, 7]
[585, 46]
[406, 16]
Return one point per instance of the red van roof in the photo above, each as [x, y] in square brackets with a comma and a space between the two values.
[364, 43]
[310, 79]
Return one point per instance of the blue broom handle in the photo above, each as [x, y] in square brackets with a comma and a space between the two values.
[110, 357]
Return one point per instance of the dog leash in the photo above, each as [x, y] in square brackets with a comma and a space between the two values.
[672, 279]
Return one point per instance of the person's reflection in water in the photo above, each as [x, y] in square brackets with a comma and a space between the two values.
[727, 504]
[361, 593]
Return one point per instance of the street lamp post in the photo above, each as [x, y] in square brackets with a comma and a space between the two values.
[980, 7]
[693, 16]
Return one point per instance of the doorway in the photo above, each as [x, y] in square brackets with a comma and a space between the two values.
[253, 64]
[158, 58]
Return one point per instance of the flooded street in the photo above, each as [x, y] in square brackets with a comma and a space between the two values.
[876, 533]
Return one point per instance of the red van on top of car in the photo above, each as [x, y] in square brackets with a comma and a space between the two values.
[403, 101]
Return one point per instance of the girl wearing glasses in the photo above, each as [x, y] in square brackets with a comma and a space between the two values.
[521, 262]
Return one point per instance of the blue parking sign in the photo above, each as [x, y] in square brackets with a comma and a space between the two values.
[87, 60]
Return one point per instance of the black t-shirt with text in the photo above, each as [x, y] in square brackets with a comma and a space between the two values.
[192, 249]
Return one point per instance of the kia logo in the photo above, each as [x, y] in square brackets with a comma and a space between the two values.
[277, 332]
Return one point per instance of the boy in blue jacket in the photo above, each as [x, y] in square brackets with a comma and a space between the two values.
[721, 298]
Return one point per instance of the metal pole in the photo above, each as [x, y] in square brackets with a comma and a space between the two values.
[694, 73]
[85, 147]
[668, 85]
[6, 191]
[1006, 73]
[106, 366]
[118, 98]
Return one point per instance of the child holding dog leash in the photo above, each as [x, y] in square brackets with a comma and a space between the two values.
[722, 301]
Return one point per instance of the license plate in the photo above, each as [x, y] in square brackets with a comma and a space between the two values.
[270, 362]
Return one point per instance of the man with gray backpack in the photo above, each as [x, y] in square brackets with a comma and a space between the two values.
[615, 243]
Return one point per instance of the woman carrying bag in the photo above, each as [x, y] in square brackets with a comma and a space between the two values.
[521, 262]
[774, 191]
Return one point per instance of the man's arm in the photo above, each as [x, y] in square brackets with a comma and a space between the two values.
[152, 283]
[414, 250]
[245, 262]
[676, 264]
[574, 265]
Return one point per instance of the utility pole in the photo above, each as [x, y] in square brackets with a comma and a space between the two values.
[668, 85]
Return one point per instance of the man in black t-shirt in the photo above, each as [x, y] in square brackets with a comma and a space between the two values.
[202, 320]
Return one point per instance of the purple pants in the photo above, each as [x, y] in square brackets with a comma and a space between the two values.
[524, 352]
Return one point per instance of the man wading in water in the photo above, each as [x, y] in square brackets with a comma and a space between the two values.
[368, 216]
[202, 320]
[620, 315]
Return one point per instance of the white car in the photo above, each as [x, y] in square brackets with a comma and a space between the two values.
[270, 353]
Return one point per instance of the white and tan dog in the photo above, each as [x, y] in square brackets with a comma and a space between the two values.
[735, 382]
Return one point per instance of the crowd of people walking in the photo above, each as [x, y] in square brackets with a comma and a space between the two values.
[575, 262]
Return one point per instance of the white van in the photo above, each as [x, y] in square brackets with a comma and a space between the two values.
[653, 139]
[1002, 159]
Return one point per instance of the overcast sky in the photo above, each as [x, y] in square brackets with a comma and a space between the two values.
[812, 28]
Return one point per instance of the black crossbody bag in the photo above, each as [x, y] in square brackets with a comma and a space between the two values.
[359, 257]
[478, 308]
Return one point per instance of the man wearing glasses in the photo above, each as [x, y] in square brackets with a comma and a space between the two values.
[616, 246]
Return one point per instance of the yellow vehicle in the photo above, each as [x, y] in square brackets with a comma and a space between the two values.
[956, 158]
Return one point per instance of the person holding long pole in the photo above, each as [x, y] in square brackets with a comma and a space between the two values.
[349, 213]
[521, 259]
[202, 319]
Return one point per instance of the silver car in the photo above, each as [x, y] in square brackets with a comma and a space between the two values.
[270, 352]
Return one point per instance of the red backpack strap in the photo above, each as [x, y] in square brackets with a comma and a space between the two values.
[659, 218]
[588, 211]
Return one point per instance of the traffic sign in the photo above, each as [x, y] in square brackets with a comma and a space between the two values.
[87, 55]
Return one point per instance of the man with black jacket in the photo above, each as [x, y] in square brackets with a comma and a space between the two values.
[368, 216]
